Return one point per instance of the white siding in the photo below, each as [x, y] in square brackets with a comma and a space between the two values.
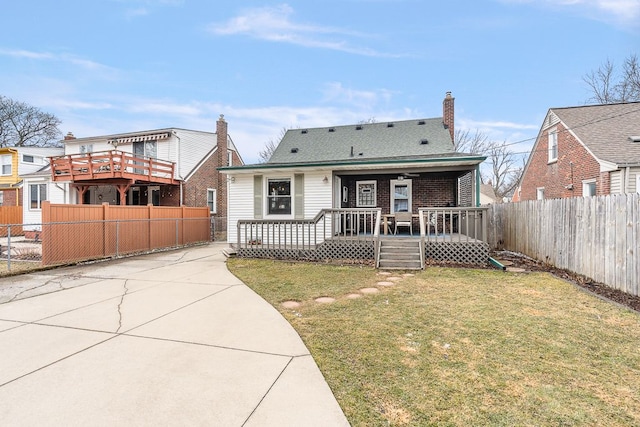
[619, 181]
[239, 204]
[317, 196]
[616, 182]
[56, 193]
[194, 147]
[317, 193]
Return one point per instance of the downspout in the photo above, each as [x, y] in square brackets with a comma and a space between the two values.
[179, 164]
[477, 186]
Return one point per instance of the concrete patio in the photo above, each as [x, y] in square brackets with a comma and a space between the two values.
[161, 339]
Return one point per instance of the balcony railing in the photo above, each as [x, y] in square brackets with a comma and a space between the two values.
[112, 164]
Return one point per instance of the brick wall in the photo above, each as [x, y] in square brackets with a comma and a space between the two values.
[12, 197]
[574, 164]
[436, 190]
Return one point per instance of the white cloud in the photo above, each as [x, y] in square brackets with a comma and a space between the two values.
[275, 24]
[622, 12]
[48, 56]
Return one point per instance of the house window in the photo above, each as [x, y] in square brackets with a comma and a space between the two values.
[589, 188]
[6, 161]
[84, 149]
[145, 149]
[553, 145]
[540, 193]
[279, 198]
[1, 198]
[26, 158]
[211, 200]
[230, 158]
[366, 191]
[400, 195]
[37, 195]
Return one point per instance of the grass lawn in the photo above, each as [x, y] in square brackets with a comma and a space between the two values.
[461, 347]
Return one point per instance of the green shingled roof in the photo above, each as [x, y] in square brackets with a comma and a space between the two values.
[411, 139]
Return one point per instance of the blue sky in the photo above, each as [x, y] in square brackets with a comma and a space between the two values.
[112, 66]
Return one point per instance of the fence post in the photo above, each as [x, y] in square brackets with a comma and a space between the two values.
[117, 238]
[178, 231]
[9, 247]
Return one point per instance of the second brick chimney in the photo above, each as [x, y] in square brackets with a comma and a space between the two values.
[447, 113]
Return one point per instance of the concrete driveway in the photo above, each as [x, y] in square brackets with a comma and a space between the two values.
[170, 338]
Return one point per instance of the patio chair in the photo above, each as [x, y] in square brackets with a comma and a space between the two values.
[403, 219]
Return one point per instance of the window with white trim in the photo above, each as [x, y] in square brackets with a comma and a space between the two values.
[211, 200]
[1, 198]
[28, 158]
[6, 161]
[279, 196]
[400, 195]
[37, 195]
[229, 158]
[88, 148]
[553, 145]
[540, 193]
[366, 194]
[589, 187]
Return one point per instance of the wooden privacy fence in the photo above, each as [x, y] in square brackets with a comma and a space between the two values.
[11, 215]
[597, 237]
[71, 233]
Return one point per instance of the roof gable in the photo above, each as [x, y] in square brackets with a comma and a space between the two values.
[605, 130]
[389, 140]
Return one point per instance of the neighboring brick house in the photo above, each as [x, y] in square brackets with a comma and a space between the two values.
[15, 162]
[584, 151]
[163, 167]
[395, 166]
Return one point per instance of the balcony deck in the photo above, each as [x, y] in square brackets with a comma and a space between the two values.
[114, 165]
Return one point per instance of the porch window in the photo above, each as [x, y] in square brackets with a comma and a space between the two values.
[279, 198]
[400, 195]
[211, 200]
[37, 195]
[367, 195]
[553, 145]
[6, 164]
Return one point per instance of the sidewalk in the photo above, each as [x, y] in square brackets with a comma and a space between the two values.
[170, 338]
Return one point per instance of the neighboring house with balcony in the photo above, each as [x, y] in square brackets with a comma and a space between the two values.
[15, 162]
[163, 167]
[584, 151]
[325, 188]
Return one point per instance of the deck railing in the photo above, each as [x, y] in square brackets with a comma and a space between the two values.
[349, 224]
[111, 164]
[458, 224]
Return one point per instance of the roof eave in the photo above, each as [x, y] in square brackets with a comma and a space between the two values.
[468, 160]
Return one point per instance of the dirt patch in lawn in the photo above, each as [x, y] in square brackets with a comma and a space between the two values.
[529, 264]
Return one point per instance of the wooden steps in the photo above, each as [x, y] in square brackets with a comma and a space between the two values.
[400, 254]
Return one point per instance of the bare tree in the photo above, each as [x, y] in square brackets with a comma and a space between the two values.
[466, 142]
[270, 146]
[609, 86]
[503, 167]
[24, 125]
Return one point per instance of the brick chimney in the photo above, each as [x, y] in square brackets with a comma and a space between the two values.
[447, 113]
[69, 136]
[221, 141]
[222, 160]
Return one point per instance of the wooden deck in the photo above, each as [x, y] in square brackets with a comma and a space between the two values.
[106, 166]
